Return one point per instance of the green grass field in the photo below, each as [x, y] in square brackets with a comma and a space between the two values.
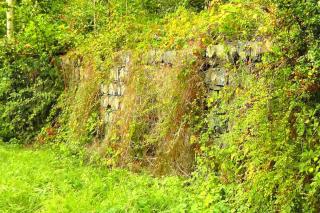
[41, 181]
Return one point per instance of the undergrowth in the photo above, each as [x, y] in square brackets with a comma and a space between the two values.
[41, 181]
[252, 147]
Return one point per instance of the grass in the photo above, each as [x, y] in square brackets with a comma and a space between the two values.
[42, 181]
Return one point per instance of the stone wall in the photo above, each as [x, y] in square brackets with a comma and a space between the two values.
[235, 54]
[220, 58]
[112, 93]
[213, 70]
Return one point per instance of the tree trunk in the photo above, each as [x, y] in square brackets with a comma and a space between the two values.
[94, 16]
[10, 25]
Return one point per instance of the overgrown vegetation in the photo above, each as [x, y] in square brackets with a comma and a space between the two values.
[43, 182]
[30, 81]
[252, 147]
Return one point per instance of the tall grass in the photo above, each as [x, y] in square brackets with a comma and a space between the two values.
[41, 181]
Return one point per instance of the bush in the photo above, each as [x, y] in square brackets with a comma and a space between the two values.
[30, 80]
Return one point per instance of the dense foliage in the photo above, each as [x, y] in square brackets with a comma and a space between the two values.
[30, 80]
[269, 160]
[252, 147]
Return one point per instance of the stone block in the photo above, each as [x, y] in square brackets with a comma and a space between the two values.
[114, 74]
[125, 58]
[169, 57]
[114, 89]
[105, 102]
[109, 116]
[256, 48]
[256, 51]
[215, 77]
[251, 51]
[111, 102]
[233, 55]
[152, 57]
[104, 89]
[122, 74]
[218, 50]
[244, 51]
[122, 88]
